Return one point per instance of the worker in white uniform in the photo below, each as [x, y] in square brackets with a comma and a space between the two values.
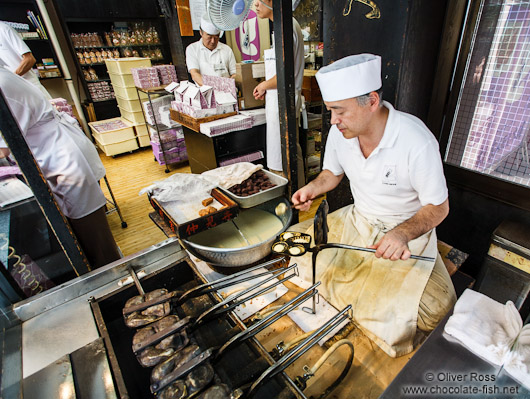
[16, 56]
[393, 164]
[69, 162]
[208, 56]
[268, 90]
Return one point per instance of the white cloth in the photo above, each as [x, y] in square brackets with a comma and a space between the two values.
[274, 149]
[400, 176]
[67, 158]
[12, 48]
[518, 362]
[218, 62]
[486, 327]
[208, 27]
[350, 77]
[492, 331]
[230, 175]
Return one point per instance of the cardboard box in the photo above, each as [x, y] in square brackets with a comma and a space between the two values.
[248, 76]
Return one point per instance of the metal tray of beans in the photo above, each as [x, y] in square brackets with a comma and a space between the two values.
[256, 190]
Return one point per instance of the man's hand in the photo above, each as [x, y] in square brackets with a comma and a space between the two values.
[259, 91]
[303, 198]
[393, 245]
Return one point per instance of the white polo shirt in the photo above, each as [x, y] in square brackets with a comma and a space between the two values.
[401, 175]
[218, 62]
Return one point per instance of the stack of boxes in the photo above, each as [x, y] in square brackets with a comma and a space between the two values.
[173, 143]
[121, 77]
[114, 136]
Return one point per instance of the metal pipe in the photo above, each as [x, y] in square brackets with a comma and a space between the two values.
[64, 66]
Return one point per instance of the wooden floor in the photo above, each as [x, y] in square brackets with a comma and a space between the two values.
[127, 175]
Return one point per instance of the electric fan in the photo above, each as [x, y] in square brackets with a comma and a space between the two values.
[228, 14]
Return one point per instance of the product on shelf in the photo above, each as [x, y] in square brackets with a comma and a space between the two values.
[166, 73]
[145, 78]
[100, 91]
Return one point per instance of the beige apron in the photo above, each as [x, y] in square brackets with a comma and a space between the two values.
[385, 294]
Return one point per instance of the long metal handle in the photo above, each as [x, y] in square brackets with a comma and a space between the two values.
[344, 246]
[270, 319]
[235, 296]
[262, 291]
[201, 289]
[227, 278]
[292, 356]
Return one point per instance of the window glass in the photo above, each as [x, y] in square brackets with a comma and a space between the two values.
[490, 133]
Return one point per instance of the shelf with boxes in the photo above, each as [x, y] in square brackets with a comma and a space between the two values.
[167, 137]
[93, 42]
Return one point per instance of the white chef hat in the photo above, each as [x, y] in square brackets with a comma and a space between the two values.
[208, 27]
[350, 77]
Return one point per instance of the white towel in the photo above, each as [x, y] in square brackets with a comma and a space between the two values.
[518, 362]
[486, 327]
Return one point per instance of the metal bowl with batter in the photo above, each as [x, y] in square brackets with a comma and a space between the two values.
[237, 257]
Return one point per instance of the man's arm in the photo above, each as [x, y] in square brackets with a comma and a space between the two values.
[394, 244]
[323, 183]
[261, 89]
[26, 64]
[196, 76]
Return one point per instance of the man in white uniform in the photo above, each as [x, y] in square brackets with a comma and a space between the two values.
[16, 56]
[268, 89]
[208, 56]
[69, 162]
[396, 176]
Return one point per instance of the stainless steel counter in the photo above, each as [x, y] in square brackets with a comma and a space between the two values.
[60, 321]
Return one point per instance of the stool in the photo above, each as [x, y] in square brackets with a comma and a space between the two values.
[114, 204]
[505, 273]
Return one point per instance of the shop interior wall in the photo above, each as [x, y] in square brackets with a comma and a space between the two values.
[406, 34]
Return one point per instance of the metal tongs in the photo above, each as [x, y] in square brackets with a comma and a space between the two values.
[178, 297]
[229, 303]
[297, 244]
[215, 352]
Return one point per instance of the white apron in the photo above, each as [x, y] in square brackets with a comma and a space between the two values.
[385, 295]
[274, 146]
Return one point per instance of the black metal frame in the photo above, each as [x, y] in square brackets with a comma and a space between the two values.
[497, 189]
[283, 44]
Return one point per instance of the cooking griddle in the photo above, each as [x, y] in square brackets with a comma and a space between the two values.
[240, 365]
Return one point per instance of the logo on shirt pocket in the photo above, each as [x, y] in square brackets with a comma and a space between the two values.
[389, 175]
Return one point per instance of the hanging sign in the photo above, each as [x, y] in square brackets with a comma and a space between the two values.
[184, 15]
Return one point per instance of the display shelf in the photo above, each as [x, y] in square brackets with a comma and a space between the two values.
[118, 46]
[94, 23]
[157, 92]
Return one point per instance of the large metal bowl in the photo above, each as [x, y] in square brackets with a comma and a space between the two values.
[237, 257]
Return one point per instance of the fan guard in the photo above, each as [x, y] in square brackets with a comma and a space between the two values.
[228, 14]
